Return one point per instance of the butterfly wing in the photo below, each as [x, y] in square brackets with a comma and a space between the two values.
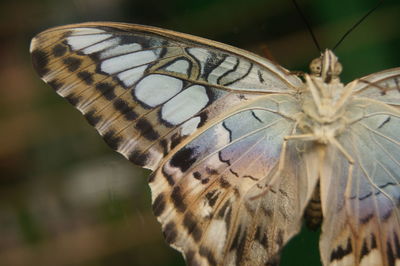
[383, 86]
[360, 202]
[146, 89]
[208, 118]
[211, 196]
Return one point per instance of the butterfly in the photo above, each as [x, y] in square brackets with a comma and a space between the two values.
[240, 148]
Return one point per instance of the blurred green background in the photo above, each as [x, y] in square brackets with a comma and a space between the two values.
[66, 198]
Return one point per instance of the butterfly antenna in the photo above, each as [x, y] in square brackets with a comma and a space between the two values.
[308, 25]
[355, 25]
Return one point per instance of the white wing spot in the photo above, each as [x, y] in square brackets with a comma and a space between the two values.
[217, 232]
[101, 46]
[82, 31]
[200, 54]
[129, 77]
[156, 89]
[185, 105]
[127, 61]
[190, 126]
[82, 41]
[372, 258]
[179, 66]
[121, 49]
[228, 64]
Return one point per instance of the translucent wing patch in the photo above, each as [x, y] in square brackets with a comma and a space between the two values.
[361, 202]
[211, 195]
[145, 89]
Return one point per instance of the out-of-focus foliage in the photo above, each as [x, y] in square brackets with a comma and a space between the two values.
[65, 198]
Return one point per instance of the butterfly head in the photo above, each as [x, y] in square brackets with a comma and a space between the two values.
[327, 66]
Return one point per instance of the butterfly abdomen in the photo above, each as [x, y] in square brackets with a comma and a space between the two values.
[313, 212]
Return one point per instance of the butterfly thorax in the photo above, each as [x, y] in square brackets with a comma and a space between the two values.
[325, 99]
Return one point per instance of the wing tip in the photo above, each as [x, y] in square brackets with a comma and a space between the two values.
[40, 60]
[33, 44]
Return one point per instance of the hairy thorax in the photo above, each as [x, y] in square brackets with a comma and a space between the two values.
[323, 109]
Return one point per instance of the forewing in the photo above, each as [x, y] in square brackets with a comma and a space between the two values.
[146, 90]
[215, 199]
[383, 86]
[360, 202]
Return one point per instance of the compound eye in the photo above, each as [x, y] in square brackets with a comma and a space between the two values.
[316, 66]
[338, 69]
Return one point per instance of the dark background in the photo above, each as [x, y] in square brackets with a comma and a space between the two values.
[66, 198]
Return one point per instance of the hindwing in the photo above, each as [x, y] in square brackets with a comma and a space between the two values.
[361, 201]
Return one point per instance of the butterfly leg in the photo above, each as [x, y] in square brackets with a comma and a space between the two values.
[342, 150]
[282, 156]
[281, 165]
[334, 142]
[302, 137]
[348, 90]
[272, 182]
[313, 137]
